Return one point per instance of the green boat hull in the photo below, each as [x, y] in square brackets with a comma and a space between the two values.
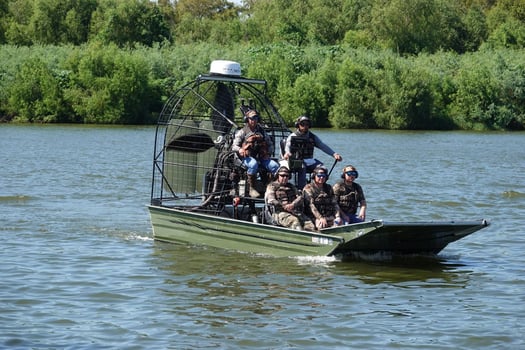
[406, 238]
[187, 227]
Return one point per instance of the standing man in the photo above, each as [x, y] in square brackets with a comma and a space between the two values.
[287, 203]
[300, 145]
[254, 146]
[350, 196]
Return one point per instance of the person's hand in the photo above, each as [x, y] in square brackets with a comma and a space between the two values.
[289, 207]
[253, 138]
[323, 223]
[243, 152]
[338, 157]
[287, 155]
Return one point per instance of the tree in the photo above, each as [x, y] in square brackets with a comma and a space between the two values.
[130, 22]
[506, 21]
[278, 21]
[17, 22]
[476, 28]
[205, 20]
[413, 26]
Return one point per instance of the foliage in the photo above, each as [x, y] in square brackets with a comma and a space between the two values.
[337, 86]
[212, 20]
[490, 92]
[130, 22]
[110, 86]
[36, 94]
[405, 26]
[357, 96]
[413, 26]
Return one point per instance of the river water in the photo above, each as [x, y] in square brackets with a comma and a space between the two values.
[80, 270]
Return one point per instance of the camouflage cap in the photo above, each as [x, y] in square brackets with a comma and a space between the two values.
[251, 114]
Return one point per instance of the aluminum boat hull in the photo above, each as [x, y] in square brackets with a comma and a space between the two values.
[186, 227]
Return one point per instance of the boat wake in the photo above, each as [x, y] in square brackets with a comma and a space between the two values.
[309, 260]
[138, 237]
[125, 235]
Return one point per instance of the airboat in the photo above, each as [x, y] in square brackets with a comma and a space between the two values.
[199, 192]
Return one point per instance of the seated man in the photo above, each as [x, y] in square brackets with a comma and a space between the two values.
[350, 196]
[321, 200]
[254, 146]
[301, 144]
[287, 203]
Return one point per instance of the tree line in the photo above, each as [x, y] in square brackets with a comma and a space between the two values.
[394, 64]
[404, 26]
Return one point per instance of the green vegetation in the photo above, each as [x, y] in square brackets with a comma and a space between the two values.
[392, 64]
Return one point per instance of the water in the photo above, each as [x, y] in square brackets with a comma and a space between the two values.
[79, 268]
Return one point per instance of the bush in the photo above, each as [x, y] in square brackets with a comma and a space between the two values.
[356, 96]
[336, 86]
[110, 87]
[35, 94]
[406, 97]
[489, 93]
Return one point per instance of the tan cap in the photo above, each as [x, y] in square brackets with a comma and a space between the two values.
[251, 113]
[283, 170]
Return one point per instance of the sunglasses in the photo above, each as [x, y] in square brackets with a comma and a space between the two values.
[351, 173]
[284, 175]
[321, 175]
[256, 118]
[304, 124]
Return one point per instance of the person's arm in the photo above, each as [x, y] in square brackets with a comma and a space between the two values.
[288, 147]
[270, 197]
[362, 203]
[335, 203]
[237, 140]
[298, 199]
[362, 210]
[326, 149]
[310, 201]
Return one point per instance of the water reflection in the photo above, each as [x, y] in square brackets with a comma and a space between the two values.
[418, 270]
[213, 273]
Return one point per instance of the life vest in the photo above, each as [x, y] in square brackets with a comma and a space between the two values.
[349, 199]
[323, 201]
[285, 193]
[302, 146]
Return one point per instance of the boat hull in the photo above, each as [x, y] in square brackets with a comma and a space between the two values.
[404, 238]
[186, 227]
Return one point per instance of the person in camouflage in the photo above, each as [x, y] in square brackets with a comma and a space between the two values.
[254, 146]
[350, 196]
[321, 200]
[286, 203]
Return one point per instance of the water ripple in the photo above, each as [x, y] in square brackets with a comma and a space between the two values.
[80, 269]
